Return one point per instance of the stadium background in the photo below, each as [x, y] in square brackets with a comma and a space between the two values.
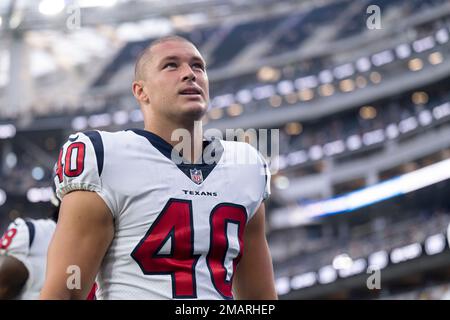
[363, 173]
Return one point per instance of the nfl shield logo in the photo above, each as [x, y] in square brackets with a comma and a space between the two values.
[196, 176]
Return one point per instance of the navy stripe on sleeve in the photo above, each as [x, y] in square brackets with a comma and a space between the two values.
[31, 230]
[97, 142]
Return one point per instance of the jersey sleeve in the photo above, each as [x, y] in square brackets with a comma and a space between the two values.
[77, 168]
[15, 241]
[80, 165]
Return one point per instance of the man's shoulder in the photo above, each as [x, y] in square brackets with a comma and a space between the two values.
[238, 146]
[242, 150]
[93, 134]
[101, 140]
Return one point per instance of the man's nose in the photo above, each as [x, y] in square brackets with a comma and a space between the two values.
[188, 74]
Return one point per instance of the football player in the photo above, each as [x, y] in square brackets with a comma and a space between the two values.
[23, 256]
[145, 225]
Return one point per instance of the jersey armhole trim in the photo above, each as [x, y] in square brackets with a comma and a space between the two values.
[31, 232]
[97, 143]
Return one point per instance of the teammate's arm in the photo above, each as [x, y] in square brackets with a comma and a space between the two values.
[254, 277]
[13, 275]
[83, 234]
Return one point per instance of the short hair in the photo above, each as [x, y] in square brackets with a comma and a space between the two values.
[145, 55]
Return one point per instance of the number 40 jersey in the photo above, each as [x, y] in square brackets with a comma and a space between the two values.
[179, 227]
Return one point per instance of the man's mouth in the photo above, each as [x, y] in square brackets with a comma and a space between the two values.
[190, 91]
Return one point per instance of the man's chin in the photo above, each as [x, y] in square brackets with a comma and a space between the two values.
[195, 112]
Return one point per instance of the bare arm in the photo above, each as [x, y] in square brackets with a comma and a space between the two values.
[254, 277]
[13, 275]
[83, 234]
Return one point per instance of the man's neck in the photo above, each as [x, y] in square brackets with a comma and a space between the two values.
[186, 137]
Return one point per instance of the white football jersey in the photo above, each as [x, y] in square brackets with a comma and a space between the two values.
[178, 227]
[27, 241]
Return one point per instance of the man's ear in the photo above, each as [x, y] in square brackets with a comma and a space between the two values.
[139, 92]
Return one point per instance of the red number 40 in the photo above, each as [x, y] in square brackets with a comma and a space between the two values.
[72, 167]
[176, 222]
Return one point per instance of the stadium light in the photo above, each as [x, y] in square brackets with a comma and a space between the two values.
[435, 244]
[441, 111]
[275, 101]
[325, 76]
[354, 142]
[308, 82]
[215, 113]
[268, 74]
[244, 96]
[1, 21]
[136, 116]
[373, 137]
[120, 117]
[344, 71]
[392, 131]
[281, 182]
[347, 85]
[235, 109]
[361, 82]
[303, 280]
[293, 128]
[435, 58]
[379, 259]
[406, 253]
[415, 64]
[423, 44]
[7, 131]
[223, 101]
[99, 120]
[425, 117]
[285, 87]
[79, 123]
[342, 261]
[291, 98]
[327, 275]
[282, 285]
[363, 64]
[305, 94]
[382, 58]
[358, 266]
[442, 36]
[51, 7]
[263, 92]
[37, 173]
[367, 112]
[11, 160]
[326, 90]
[408, 124]
[315, 152]
[297, 157]
[40, 194]
[403, 51]
[333, 148]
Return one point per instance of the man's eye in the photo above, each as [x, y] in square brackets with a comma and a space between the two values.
[170, 65]
[198, 66]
